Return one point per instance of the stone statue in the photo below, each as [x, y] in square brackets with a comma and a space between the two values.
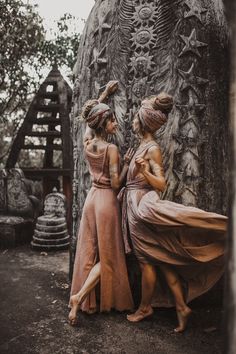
[19, 207]
[51, 231]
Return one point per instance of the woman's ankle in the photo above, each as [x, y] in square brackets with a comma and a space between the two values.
[145, 307]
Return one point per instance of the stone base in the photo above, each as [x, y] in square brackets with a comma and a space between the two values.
[50, 247]
[15, 231]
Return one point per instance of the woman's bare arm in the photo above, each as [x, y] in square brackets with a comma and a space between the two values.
[155, 178]
[114, 159]
[110, 88]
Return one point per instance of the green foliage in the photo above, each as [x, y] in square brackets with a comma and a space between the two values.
[26, 56]
[21, 33]
[62, 49]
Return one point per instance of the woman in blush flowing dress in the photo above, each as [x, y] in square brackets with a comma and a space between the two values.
[100, 256]
[185, 243]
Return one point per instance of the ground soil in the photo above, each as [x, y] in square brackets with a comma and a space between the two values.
[34, 293]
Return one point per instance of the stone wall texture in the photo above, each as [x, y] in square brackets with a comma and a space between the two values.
[181, 47]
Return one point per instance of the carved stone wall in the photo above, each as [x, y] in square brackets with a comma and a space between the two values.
[179, 46]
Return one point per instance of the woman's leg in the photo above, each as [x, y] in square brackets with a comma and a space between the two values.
[148, 286]
[89, 285]
[182, 310]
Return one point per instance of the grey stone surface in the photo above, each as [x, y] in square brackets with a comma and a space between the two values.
[51, 231]
[18, 208]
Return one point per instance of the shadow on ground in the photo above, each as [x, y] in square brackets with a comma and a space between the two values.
[34, 294]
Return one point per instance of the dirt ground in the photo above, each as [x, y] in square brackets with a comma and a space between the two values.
[34, 292]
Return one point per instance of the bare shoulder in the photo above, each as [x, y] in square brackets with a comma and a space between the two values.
[113, 148]
[154, 153]
[113, 153]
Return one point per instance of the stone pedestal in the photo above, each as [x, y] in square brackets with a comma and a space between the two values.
[15, 231]
[51, 231]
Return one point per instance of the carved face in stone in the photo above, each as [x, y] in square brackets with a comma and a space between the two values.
[141, 64]
[145, 13]
[143, 36]
[139, 89]
[54, 205]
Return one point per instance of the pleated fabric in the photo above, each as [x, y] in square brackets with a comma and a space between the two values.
[163, 232]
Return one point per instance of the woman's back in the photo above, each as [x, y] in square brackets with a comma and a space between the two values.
[97, 156]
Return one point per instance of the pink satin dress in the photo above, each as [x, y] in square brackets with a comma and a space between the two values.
[100, 239]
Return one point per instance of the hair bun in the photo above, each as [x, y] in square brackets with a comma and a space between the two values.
[164, 102]
[87, 107]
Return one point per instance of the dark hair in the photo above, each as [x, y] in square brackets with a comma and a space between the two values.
[107, 116]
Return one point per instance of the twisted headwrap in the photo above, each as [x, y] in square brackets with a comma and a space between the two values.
[97, 116]
[153, 112]
[151, 119]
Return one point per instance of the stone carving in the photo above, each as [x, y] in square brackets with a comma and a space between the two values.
[51, 231]
[19, 205]
[194, 10]
[144, 14]
[18, 199]
[154, 45]
[3, 190]
[191, 80]
[191, 44]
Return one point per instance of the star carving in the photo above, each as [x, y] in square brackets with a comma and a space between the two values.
[191, 44]
[98, 58]
[183, 187]
[102, 28]
[185, 141]
[195, 10]
[190, 111]
[184, 146]
[191, 81]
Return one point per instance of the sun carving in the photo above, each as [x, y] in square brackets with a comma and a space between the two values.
[144, 14]
[139, 88]
[141, 64]
[144, 37]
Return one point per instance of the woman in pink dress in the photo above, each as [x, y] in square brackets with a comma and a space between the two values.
[185, 243]
[100, 256]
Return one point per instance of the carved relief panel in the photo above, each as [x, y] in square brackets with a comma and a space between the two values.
[150, 46]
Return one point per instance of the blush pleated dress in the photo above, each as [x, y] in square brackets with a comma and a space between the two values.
[163, 232]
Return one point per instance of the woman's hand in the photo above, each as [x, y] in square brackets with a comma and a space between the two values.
[128, 155]
[111, 87]
[141, 165]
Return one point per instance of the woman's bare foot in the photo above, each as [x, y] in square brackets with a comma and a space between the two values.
[74, 305]
[140, 314]
[183, 316]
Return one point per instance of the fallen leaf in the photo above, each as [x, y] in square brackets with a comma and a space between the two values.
[210, 329]
[43, 253]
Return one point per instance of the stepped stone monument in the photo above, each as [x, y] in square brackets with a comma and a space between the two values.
[51, 231]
